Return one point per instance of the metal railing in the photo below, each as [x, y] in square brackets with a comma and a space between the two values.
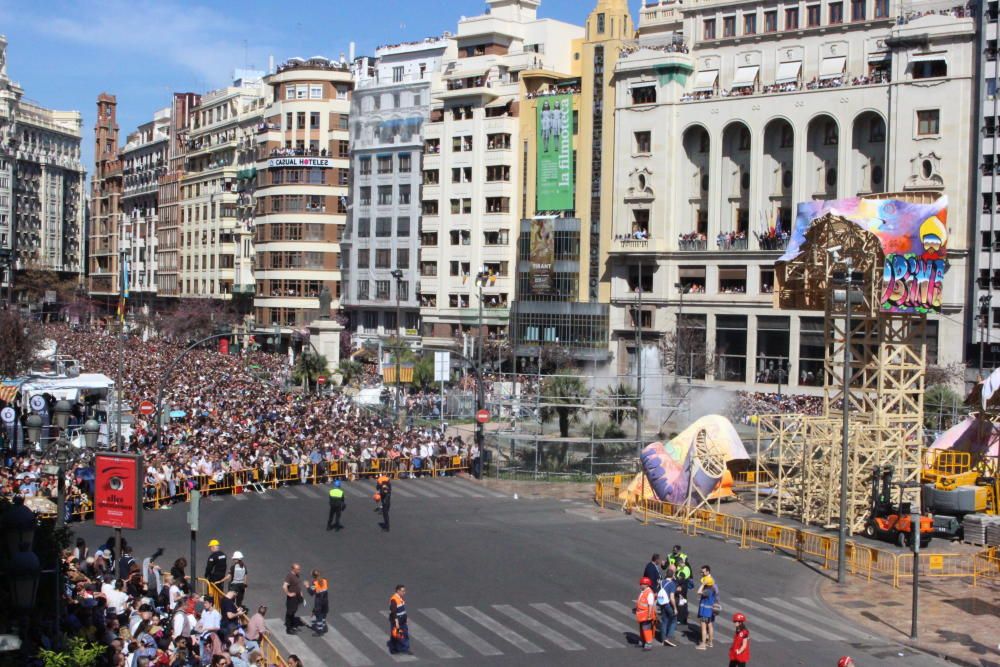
[269, 653]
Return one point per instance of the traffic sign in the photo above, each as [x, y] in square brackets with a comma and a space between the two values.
[146, 408]
[483, 416]
[321, 380]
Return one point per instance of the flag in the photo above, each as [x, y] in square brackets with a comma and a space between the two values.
[123, 292]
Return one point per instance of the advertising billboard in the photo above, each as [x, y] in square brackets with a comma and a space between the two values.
[914, 240]
[118, 490]
[554, 149]
[542, 251]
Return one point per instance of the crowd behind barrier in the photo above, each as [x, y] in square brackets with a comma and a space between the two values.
[239, 423]
[814, 547]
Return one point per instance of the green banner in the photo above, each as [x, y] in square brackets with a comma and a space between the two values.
[554, 128]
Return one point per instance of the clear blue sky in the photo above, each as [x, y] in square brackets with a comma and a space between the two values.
[63, 53]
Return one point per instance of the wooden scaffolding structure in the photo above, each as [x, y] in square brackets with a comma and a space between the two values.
[799, 456]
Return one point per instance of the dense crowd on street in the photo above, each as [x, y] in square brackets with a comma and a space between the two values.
[748, 404]
[232, 415]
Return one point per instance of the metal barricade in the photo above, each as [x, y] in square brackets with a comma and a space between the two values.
[935, 566]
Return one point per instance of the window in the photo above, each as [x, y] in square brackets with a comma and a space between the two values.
[708, 29]
[404, 194]
[363, 289]
[383, 227]
[382, 289]
[728, 26]
[404, 163]
[461, 206]
[461, 175]
[316, 91]
[384, 195]
[403, 227]
[403, 290]
[431, 177]
[429, 207]
[792, 18]
[429, 239]
[343, 148]
[397, 74]
[364, 258]
[343, 121]
[498, 172]
[928, 122]
[385, 164]
[383, 258]
[314, 120]
[812, 16]
[497, 142]
[881, 9]
[644, 95]
[836, 13]
[300, 120]
[771, 21]
[643, 142]
[289, 92]
[831, 135]
[461, 144]
[366, 196]
[402, 258]
[749, 24]
[600, 24]
[498, 204]
[927, 69]
[365, 166]
[857, 10]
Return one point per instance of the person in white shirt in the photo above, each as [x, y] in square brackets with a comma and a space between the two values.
[117, 599]
[211, 618]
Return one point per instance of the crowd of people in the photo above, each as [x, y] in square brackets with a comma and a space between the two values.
[746, 405]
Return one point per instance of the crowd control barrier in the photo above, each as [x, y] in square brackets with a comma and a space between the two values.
[270, 655]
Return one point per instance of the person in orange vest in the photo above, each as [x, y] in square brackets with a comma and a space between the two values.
[321, 601]
[399, 632]
[739, 652]
[645, 613]
[385, 496]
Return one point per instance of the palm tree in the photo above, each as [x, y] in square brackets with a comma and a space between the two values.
[350, 370]
[621, 400]
[309, 367]
[563, 395]
[423, 372]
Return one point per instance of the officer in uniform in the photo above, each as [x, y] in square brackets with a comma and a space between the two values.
[399, 632]
[215, 567]
[337, 505]
[321, 604]
[385, 496]
[677, 557]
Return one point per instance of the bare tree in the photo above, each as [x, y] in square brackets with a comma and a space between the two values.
[192, 319]
[684, 353]
[20, 339]
[952, 375]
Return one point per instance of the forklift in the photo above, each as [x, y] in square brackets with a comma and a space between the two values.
[891, 522]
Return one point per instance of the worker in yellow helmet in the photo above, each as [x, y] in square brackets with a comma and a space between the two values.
[215, 567]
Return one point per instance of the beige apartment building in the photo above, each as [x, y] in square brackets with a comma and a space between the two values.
[472, 165]
[215, 248]
[168, 230]
[729, 114]
[302, 178]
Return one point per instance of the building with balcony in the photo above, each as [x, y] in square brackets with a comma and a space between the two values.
[472, 165]
[144, 162]
[729, 114]
[168, 231]
[103, 267]
[389, 107]
[302, 178]
[41, 184]
[216, 249]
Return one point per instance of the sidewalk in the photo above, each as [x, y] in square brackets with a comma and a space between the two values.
[956, 621]
[560, 490]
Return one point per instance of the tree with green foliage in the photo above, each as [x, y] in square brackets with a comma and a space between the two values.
[350, 371]
[78, 653]
[563, 395]
[423, 372]
[308, 367]
[942, 407]
[622, 400]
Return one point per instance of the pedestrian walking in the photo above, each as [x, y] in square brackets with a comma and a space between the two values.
[653, 571]
[238, 577]
[385, 495]
[399, 631]
[292, 586]
[708, 598]
[666, 605]
[215, 566]
[645, 613]
[739, 652]
[321, 602]
[337, 505]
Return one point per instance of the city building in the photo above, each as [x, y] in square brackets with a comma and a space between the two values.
[41, 184]
[302, 178]
[472, 166]
[562, 292]
[729, 114]
[215, 258]
[168, 228]
[144, 161]
[103, 268]
[389, 107]
[984, 308]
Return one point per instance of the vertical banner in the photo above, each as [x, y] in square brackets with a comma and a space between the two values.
[554, 149]
[223, 346]
[542, 251]
[118, 490]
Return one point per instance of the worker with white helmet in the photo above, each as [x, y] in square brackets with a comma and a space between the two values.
[238, 577]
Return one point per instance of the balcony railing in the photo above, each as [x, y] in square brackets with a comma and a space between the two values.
[772, 242]
[727, 242]
[692, 244]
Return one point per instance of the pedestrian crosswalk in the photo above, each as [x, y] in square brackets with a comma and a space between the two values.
[424, 487]
[470, 633]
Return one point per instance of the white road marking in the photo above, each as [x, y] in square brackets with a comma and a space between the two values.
[553, 614]
[771, 626]
[502, 631]
[480, 645]
[419, 635]
[600, 617]
[375, 634]
[557, 638]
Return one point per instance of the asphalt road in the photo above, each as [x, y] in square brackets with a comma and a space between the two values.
[497, 581]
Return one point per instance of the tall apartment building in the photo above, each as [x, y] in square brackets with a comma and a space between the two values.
[473, 164]
[562, 290]
[216, 249]
[168, 229]
[103, 268]
[302, 178]
[389, 107]
[730, 113]
[41, 183]
[144, 161]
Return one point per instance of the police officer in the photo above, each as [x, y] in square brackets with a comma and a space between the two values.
[337, 505]
[399, 632]
[677, 557]
[385, 496]
[215, 567]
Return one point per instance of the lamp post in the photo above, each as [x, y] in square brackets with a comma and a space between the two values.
[398, 275]
[481, 279]
[984, 326]
[844, 294]
[678, 344]
[23, 566]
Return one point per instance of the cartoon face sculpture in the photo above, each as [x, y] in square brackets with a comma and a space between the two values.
[933, 235]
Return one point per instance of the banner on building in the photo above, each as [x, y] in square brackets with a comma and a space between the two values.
[118, 490]
[913, 237]
[554, 130]
[312, 162]
[542, 251]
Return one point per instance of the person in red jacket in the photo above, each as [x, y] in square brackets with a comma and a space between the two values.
[645, 613]
[739, 652]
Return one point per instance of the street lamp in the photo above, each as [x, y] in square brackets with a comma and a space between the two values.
[481, 279]
[398, 275]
